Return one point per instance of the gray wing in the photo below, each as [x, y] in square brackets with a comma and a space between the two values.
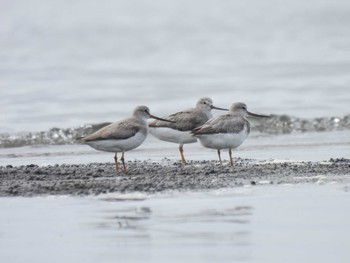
[115, 131]
[185, 120]
[222, 124]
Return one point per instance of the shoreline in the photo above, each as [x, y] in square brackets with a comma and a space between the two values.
[151, 177]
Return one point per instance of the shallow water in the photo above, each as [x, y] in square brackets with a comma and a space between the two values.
[286, 223]
[69, 64]
[317, 147]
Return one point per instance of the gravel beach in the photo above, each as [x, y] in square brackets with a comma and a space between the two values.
[151, 177]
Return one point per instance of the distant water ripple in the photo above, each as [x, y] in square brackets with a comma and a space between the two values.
[277, 124]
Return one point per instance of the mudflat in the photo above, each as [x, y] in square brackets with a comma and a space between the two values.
[150, 177]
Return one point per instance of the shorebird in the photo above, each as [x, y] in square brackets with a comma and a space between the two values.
[123, 135]
[227, 131]
[179, 131]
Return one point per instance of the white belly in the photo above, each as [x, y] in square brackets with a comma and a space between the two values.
[118, 145]
[221, 141]
[171, 135]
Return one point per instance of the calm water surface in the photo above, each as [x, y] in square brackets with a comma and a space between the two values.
[70, 63]
[307, 223]
[67, 63]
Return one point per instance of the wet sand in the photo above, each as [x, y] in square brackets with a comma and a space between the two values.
[151, 177]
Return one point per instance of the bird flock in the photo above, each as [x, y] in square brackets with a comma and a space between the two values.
[226, 131]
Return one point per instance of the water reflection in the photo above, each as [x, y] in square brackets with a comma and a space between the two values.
[204, 229]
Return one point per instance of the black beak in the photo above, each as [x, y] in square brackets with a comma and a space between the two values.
[217, 108]
[258, 115]
[157, 118]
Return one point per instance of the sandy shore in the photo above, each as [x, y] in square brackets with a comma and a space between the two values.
[150, 177]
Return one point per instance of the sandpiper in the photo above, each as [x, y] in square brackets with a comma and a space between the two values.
[123, 135]
[227, 131]
[179, 131]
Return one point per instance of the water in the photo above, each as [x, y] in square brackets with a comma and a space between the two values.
[68, 66]
[293, 147]
[252, 224]
[70, 63]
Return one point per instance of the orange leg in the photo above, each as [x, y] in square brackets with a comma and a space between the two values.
[123, 161]
[219, 154]
[182, 153]
[116, 163]
[230, 153]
